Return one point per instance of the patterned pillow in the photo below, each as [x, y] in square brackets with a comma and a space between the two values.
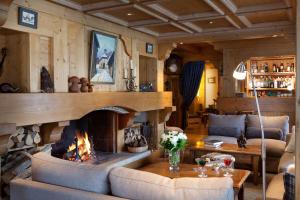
[289, 186]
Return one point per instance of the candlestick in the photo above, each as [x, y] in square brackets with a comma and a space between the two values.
[125, 73]
[131, 64]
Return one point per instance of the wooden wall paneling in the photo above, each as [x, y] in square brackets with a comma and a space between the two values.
[61, 58]
[4, 6]
[77, 45]
[160, 76]
[148, 71]
[40, 55]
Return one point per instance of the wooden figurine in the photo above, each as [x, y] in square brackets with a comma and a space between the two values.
[47, 85]
[90, 86]
[84, 84]
[74, 84]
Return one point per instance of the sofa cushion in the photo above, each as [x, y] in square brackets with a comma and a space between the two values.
[226, 125]
[286, 160]
[135, 184]
[274, 148]
[270, 133]
[281, 122]
[275, 189]
[21, 189]
[48, 169]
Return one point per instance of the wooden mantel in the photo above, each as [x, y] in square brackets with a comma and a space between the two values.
[35, 108]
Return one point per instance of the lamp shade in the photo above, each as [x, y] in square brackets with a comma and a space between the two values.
[240, 71]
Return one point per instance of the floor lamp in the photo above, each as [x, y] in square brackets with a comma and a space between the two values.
[240, 74]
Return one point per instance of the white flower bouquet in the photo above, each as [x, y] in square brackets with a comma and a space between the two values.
[173, 140]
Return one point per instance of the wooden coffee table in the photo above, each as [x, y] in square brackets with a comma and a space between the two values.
[252, 151]
[186, 170]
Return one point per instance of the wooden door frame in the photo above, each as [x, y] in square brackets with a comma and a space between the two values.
[297, 154]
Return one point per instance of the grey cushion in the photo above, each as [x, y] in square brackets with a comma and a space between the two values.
[226, 125]
[28, 190]
[88, 177]
[281, 122]
[274, 148]
[270, 133]
[286, 160]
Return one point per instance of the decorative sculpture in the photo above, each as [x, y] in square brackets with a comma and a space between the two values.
[47, 85]
[74, 84]
[84, 84]
[242, 141]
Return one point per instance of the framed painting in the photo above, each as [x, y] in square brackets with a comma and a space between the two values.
[149, 48]
[103, 58]
[27, 17]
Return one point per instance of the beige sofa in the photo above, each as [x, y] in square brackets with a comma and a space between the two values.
[275, 190]
[58, 179]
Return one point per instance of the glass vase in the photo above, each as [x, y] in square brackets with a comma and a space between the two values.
[174, 160]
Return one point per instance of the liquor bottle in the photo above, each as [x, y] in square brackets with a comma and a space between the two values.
[266, 67]
[288, 68]
[272, 83]
[292, 67]
[261, 69]
[274, 68]
[275, 83]
[281, 67]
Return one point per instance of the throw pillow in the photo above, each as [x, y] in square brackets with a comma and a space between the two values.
[226, 125]
[289, 184]
[281, 122]
[270, 133]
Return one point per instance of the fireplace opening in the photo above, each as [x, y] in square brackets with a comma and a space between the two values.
[87, 138]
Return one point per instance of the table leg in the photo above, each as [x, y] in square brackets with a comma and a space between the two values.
[255, 164]
[241, 193]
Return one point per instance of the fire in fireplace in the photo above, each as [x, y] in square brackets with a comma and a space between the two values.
[80, 149]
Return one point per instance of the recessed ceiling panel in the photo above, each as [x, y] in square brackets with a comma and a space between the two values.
[214, 23]
[129, 14]
[264, 17]
[185, 7]
[83, 2]
[166, 28]
[246, 3]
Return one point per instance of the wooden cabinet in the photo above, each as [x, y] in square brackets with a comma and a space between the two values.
[274, 76]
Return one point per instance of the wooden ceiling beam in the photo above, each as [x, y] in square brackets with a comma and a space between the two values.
[149, 12]
[149, 22]
[233, 8]
[111, 19]
[146, 30]
[229, 16]
[262, 8]
[69, 4]
[193, 26]
[199, 16]
[112, 8]
[233, 34]
[100, 5]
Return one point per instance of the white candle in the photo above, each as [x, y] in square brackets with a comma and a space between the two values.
[131, 64]
[134, 72]
[125, 73]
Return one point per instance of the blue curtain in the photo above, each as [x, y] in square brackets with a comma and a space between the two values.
[191, 78]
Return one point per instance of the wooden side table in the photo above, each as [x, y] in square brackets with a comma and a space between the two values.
[252, 151]
[186, 170]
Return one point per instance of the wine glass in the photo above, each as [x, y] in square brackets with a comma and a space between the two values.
[227, 161]
[201, 163]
